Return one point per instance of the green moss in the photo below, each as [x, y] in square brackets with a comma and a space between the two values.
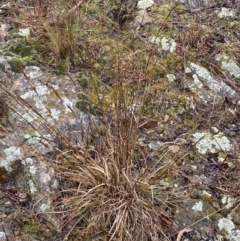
[60, 69]
[206, 197]
[3, 121]
[16, 63]
[32, 227]
[83, 82]
[159, 12]
[2, 66]
[84, 104]
[8, 53]
[180, 9]
[23, 49]
[170, 62]
[170, 179]
[17, 35]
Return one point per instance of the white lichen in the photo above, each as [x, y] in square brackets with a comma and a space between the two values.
[55, 113]
[55, 184]
[31, 139]
[36, 138]
[164, 183]
[2, 236]
[154, 40]
[168, 44]
[203, 75]
[30, 163]
[38, 96]
[68, 104]
[206, 142]
[188, 70]
[171, 77]
[226, 225]
[40, 90]
[226, 12]
[27, 161]
[154, 146]
[197, 84]
[44, 207]
[30, 116]
[35, 72]
[215, 129]
[228, 201]
[198, 207]
[229, 65]
[232, 68]
[194, 167]
[13, 153]
[27, 95]
[144, 4]
[32, 170]
[25, 32]
[32, 186]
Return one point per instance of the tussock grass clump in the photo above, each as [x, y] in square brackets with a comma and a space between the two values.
[111, 189]
[105, 195]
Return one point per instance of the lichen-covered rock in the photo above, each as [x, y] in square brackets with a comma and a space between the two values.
[42, 116]
[216, 88]
[206, 142]
[229, 66]
[228, 229]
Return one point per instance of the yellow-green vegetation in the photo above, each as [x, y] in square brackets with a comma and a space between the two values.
[32, 227]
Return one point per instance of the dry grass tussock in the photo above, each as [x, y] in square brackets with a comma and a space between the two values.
[104, 196]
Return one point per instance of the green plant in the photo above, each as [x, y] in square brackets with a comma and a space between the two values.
[16, 63]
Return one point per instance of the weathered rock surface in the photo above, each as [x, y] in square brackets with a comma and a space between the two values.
[40, 115]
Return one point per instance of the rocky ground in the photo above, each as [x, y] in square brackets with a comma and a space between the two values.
[177, 61]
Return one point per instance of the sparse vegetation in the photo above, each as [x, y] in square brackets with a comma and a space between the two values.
[125, 181]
